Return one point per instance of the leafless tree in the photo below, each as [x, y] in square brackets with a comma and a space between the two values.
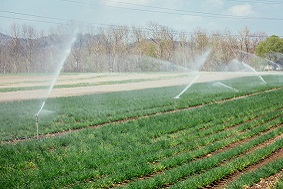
[77, 53]
[164, 39]
[14, 45]
[28, 46]
[256, 38]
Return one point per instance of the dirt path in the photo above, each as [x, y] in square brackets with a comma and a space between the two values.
[128, 81]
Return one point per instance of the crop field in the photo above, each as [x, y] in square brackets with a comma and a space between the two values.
[211, 137]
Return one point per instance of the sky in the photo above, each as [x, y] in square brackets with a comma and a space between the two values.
[180, 15]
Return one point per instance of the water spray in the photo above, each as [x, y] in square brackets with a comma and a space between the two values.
[62, 60]
[197, 66]
[227, 86]
[249, 67]
[187, 87]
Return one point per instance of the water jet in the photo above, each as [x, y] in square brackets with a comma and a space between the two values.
[186, 88]
[227, 86]
[197, 66]
[62, 59]
[249, 67]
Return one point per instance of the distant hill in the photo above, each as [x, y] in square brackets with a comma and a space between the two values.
[4, 38]
[49, 40]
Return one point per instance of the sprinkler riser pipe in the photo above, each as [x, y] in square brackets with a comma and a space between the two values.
[36, 123]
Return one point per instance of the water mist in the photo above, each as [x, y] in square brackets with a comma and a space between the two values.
[227, 86]
[249, 67]
[68, 47]
[197, 66]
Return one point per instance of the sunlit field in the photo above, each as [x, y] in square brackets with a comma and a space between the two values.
[128, 130]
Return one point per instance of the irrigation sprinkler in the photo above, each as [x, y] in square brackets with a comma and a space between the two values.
[62, 60]
[36, 123]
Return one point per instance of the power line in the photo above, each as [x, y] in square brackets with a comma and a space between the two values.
[32, 20]
[143, 29]
[67, 20]
[259, 2]
[179, 12]
[44, 17]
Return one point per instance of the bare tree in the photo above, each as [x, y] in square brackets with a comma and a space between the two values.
[256, 38]
[14, 45]
[115, 43]
[28, 46]
[77, 52]
[140, 40]
[183, 49]
[245, 39]
[163, 38]
[201, 40]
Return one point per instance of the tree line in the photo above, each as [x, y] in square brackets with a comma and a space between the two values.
[121, 48]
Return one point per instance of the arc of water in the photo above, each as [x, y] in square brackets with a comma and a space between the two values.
[198, 65]
[270, 61]
[249, 67]
[187, 87]
[57, 73]
[227, 86]
[59, 68]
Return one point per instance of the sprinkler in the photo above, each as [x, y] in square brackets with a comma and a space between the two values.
[175, 101]
[36, 123]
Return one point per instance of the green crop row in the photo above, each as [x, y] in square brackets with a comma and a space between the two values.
[229, 167]
[157, 147]
[248, 179]
[18, 118]
[162, 159]
[134, 170]
[190, 167]
[279, 183]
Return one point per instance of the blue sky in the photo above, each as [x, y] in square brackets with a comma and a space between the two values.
[181, 15]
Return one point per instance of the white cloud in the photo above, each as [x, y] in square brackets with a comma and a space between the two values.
[241, 10]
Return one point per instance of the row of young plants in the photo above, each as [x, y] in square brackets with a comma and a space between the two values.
[176, 153]
[279, 183]
[230, 166]
[250, 178]
[185, 161]
[266, 117]
[115, 153]
[177, 160]
[18, 118]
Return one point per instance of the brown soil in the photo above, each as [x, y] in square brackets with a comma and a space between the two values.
[269, 182]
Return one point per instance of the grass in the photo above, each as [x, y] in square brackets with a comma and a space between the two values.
[18, 118]
[182, 149]
[248, 179]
